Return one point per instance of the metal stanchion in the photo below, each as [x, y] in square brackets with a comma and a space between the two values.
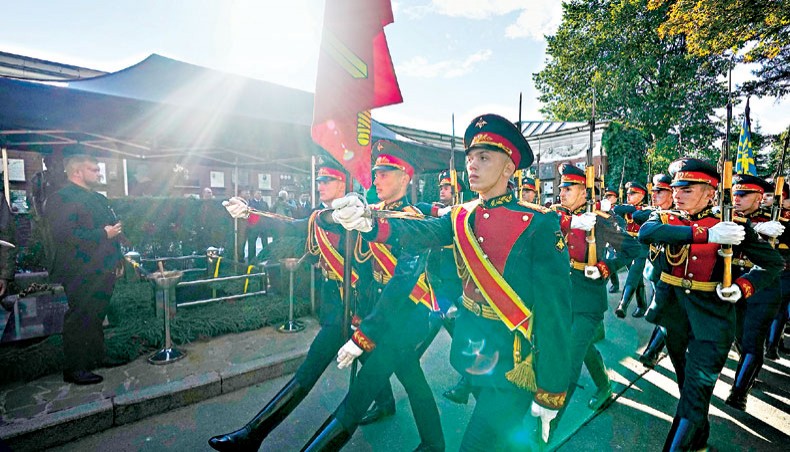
[291, 326]
[166, 284]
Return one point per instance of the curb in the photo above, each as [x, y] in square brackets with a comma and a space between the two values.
[67, 425]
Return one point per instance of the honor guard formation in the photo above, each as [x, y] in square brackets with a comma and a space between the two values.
[522, 291]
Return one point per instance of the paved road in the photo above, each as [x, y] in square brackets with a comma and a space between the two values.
[638, 420]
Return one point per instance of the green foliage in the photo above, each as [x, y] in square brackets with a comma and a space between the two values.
[625, 146]
[645, 82]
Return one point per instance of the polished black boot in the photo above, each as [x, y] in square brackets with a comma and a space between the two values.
[628, 294]
[460, 392]
[681, 436]
[250, 437]
[332, 436]
[641, 302]
[650, 356]
[748, 367]
[615, 280]
[376, 413]
[774, 337]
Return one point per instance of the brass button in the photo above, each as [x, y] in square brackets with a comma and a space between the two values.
[691, 275]
[480, 239]
[693, 258]
[525, 218]
[688, 291]
[486, 215]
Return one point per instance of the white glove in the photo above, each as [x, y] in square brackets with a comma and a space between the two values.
[771, 229]
[546, 415]
[729, 294]
[585, 221]
[347, 354]
[592, 272]
[606, 205]
[726, 233]
[237, 207]
[349, 212]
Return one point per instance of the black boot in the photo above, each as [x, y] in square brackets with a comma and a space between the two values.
[252, 435]
[774, 337]
[748, 367]
[681, 436]
[652, 352]
[641, 302]
[615, 280]
[628, 293]
[460, 392]
[376, 413]
[332, 436]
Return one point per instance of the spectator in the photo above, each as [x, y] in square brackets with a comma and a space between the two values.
[7, 253]
[257, 226]
[207, 194]
[282, 206]
[303, 208]
[85, 258]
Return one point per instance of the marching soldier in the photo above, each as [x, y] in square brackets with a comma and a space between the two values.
[696, 309]
[634, 284]
[660, 199]
[528, 189]
[610, 195]
[511, 338]
[396, 329]
[328, 247]
[753, 319]
[443, 276]
[775, 340]
[589, 280]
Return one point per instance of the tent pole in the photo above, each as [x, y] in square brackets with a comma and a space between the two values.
[6, 187]
[236, 220]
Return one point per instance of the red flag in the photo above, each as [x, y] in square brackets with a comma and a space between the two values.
[355, 75]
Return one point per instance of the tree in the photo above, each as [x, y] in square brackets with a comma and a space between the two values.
[714, 27]
[642, 81]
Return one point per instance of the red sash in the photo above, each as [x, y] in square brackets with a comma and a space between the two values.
[421, 293]
[333, 259]
[496, 291]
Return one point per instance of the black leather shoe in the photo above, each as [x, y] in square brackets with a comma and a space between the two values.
[376, 414]
[459, 393]
[82, 377]
[771, 353]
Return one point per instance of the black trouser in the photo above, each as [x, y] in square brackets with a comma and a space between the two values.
[83, 335]
[583, 351]
[754, 317]
[697, 364]
[496, 422]
[253, 232]
[398, 355]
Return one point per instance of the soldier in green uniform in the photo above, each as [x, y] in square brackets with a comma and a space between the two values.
[396, 330]
[328, 247]
[610, 195]
[589, 281]
[511, 338]
[696, 309]
[634, 284]
[660, 199]
[528, 190]
[775, 341]
[753, 318]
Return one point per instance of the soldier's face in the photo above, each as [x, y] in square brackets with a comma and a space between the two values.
[634, 197]
[488, 170]
[446, 194]
[330, 190]
[612, 199]
[528, 195]
[693, 198]
[768, 199]
[572, 197]
[661, 198]
[747, 203]
[391, 185]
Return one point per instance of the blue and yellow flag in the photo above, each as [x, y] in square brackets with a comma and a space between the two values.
[744, 163]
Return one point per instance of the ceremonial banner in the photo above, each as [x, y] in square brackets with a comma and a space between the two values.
[355, 75]
[744, 162]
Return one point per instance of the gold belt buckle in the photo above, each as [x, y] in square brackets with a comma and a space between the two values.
[686, 283]
[477, 309]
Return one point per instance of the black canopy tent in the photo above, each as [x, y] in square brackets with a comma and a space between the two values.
[162, 108]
